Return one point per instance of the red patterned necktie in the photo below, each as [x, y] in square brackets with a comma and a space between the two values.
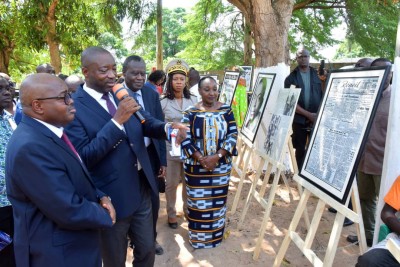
[65, 138]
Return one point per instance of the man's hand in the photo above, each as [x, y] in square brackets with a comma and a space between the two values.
[312, 117]
[125, 110]
[181, 133]
[105, 202]
[163, 171]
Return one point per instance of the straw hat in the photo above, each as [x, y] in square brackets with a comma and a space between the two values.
[177, 66]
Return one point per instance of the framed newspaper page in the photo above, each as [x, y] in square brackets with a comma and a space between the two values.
[255, 111]
[341, 129]
[229, 84]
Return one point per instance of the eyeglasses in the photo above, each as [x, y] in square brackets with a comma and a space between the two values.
[66, 98]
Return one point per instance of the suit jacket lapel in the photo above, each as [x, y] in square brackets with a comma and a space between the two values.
[91, 103]
[45, 131]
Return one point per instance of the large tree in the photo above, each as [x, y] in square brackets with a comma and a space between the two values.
[270, 22]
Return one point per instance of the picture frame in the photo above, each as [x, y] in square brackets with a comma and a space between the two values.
[341, 129]
[258, 102]
[248, 76]
[278, 119]
[228, 88]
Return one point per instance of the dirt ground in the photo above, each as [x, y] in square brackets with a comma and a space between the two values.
[237, 248]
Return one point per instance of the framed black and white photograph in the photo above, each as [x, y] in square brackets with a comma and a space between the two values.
[278, 118]
[229, 84]
[247, 75]
[341, 129]
[257, 105]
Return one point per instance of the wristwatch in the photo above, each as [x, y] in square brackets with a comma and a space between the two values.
[219, 155]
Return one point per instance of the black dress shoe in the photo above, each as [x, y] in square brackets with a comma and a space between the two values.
[159, 249]
[330, 209]
[173, 225]
[354, 239]
[347, 222]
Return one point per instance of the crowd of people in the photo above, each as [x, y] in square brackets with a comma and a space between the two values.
[96, 152]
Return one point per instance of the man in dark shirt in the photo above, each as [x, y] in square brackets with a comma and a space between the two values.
[306, 78]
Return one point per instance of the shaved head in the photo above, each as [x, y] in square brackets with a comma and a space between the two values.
[4, 75]
[363, 62]
[99, 69]
[73, 81]
[89, 54]
[42, 97]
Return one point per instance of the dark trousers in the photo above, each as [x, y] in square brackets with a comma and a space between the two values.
[7, 258]
[299, 141]
[377, 258]
[155, 198]
[139, 226]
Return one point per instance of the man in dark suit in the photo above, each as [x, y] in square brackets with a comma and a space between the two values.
[134, 70]
[110, 141]
[57, 209]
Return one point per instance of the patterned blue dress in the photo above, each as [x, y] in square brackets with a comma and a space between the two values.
[207, 191]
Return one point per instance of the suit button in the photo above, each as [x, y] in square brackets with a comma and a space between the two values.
[135, 164]
[131, 144]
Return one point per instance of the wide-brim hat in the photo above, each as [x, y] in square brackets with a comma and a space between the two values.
[177, 66]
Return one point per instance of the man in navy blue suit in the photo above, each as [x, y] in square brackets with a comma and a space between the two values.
[57, 209]
[110, 140]
[134, 70]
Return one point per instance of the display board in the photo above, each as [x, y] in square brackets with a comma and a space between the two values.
[345, 115]
[247, 75]
[279, 118]
[229, 84]
[257, 105]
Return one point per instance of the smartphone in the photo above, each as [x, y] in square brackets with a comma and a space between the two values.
[321, 67]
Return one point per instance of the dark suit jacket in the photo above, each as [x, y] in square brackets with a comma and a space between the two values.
[111, 154]
[315, 92]
[55, 202]
[151, 100]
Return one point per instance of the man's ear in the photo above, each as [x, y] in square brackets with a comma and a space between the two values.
[37, 107]
[85, 71]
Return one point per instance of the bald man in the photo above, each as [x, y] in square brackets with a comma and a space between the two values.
[110, 140]
[45, 68]
[57, 209]
[73, 82]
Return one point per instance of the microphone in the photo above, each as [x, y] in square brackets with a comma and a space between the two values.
[121, 93]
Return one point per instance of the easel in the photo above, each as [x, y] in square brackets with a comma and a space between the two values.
[244, 154]
[278, 167]
[342, 212]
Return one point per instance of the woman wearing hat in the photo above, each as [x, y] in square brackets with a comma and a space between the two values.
[176, 99]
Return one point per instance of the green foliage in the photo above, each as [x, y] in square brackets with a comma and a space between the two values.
[351, 49]
[312, 28]
[213, 36]
[373, 26]
[173, 28]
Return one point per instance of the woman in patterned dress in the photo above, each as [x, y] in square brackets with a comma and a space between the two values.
[177, 98]
[207, 154]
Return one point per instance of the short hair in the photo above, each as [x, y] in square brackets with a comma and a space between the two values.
[90, 52]
[129, 59]
[204, 78]
[381, 59]
[156, 75]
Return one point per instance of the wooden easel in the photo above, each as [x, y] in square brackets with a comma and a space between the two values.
[342, 212]
[240, 165]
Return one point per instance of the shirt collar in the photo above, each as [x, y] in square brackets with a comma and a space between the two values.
[57, 131]
[139, 92]
[93, 93]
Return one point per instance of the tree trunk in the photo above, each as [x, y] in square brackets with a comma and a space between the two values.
[269, 22]
[159, 36]
[4, 60]
[248, 42]
[51, 38]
